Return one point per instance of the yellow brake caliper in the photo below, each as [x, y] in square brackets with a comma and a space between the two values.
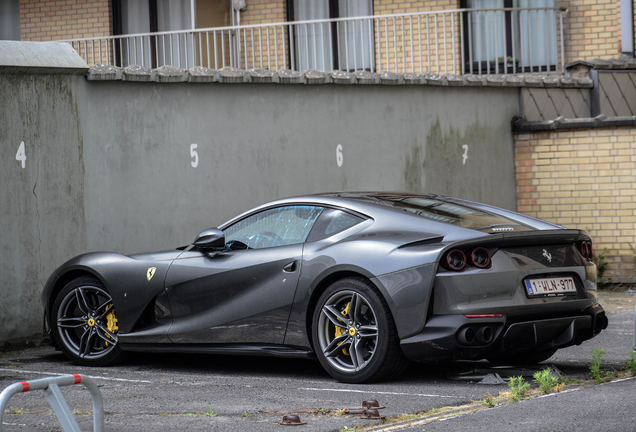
[111, 321]
[339, 331]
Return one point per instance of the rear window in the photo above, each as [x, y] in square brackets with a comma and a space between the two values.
[453, 213]
[331, 222]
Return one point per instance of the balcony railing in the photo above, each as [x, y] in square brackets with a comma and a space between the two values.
[460, 41]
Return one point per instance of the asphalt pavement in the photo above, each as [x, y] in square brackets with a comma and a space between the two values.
[225, 393]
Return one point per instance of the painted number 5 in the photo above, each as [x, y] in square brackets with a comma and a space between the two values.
[21, 155]
[194, 155]
[339, 155]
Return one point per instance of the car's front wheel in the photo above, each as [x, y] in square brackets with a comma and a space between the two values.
[354, 335]
[84, 323]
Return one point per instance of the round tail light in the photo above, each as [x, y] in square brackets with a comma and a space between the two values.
[454, 260]
[479, 257]
[585, 247]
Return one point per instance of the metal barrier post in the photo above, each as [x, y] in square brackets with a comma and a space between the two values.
[56, 399]
[634, 347]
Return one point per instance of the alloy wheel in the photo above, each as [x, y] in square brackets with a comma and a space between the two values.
[86, 322]
[348, 331]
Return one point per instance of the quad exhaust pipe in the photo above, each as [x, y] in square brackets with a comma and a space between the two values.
[476, 335]
[484, 335]
[601, 323]
[466, 336]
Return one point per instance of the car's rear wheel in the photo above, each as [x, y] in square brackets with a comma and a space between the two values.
[354, 335]
[84, 323]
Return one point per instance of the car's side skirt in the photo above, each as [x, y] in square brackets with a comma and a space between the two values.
[231, 349]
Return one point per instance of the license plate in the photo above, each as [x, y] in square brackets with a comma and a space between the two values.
[550, 286]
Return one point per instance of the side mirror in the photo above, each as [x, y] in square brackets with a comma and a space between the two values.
[212, 238]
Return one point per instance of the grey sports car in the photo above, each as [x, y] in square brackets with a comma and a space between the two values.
[365, 282]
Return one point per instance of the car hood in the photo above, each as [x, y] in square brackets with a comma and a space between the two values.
[168, 255]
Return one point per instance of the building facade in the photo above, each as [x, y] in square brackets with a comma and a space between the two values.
[578, 174]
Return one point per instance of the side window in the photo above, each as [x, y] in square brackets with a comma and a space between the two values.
[332, 221]
[274, 227]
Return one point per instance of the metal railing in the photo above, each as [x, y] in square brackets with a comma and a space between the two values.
[51, 387]
[459, 41]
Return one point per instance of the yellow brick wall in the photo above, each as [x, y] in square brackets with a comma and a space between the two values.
[408, 56]
[592, 29]
[45, 20]
[388, 7]
[265, 12]
[446, 60]
[584, 179]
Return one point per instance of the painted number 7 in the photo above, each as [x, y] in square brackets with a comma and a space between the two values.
[21, 155]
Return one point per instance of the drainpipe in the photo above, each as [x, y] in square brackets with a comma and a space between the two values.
[193, 23]
[237, 7]
[627, 28]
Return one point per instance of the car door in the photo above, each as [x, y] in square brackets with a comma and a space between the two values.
[243, 293]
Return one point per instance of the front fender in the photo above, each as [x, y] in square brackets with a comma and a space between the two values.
[126, 279]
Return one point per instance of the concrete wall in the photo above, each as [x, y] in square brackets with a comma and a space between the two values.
[42, 205]
[109, 164]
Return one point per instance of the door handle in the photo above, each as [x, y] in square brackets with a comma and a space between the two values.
[290, 268]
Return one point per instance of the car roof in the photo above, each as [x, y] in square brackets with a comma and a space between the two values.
[375, 203]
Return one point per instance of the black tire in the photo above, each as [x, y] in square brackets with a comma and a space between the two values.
[363, 346]
[528, 358]
[84, 324]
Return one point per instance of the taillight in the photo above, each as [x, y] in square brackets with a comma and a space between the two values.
[479, 257]
[585, 247]
[454, 260]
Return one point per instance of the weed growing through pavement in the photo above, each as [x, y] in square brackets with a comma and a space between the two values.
[596, 373]
[489, 400]
[210, 413]
[518, 388]
[547, 381]
[630, 364]
[321, 411]
[633, 251]
[600, 262]
[567, 380]
[405, 417]
[16, 411]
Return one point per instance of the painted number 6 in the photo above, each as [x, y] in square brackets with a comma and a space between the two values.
[194, 155]
[339, 155]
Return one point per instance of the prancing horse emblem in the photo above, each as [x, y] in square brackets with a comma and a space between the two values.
[545, 254]
[151, 273]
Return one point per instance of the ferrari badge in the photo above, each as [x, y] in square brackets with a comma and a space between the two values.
[151, 273]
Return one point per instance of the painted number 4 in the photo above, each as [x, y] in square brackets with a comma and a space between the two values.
[21, 155]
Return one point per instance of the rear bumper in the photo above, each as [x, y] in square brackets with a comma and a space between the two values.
[460, 337]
